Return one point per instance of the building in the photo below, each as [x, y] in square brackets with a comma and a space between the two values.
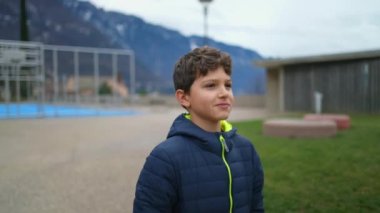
[348, 82]
[87, 85]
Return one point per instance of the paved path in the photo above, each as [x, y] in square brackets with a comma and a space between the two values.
[80, 164]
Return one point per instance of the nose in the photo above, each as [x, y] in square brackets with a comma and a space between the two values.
[224, 91]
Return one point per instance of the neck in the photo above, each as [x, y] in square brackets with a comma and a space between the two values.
[208, 126]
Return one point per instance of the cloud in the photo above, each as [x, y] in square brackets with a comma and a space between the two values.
[277, 28]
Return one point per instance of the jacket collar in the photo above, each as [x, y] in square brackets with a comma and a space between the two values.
[183, 126]
[225, 125]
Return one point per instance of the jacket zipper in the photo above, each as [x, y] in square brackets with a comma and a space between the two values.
[225, 147]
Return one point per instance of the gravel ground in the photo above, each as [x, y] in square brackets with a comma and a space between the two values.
[81, 164]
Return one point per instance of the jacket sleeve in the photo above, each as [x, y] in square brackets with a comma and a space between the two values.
[258, 183]
[155, 189]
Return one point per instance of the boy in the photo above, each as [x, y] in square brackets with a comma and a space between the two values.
[203, 165]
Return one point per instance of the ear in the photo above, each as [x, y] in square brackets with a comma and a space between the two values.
[182, 98]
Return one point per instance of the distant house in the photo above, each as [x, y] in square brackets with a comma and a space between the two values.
[87, 85]
[349, 82]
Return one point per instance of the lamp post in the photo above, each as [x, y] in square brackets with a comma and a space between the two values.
[205, 4]
[24, 34]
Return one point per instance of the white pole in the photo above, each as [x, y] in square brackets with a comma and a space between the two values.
[18, 99]
[318, 102]
[56, 80]
[132, 79]
[96, 76]
[114, 77]
[76, 76]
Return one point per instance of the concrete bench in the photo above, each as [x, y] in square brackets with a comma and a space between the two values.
[342, 121]
[298, 128]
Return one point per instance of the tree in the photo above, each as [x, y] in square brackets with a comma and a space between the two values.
[104, 89]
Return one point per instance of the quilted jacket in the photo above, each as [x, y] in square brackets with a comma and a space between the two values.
[197, 171]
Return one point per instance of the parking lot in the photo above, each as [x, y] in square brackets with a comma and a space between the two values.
[88, 164]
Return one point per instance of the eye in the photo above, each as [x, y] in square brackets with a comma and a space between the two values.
[228, 85]
[210, 85]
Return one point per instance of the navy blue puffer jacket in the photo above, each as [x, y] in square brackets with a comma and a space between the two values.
[197, 171]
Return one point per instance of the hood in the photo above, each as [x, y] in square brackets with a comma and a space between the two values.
[183, 126]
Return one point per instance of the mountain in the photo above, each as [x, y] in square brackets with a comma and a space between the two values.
[80, 23]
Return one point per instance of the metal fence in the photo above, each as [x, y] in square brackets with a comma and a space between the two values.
[38, 73]
[22, 69]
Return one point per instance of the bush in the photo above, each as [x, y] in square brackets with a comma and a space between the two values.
[104, 89]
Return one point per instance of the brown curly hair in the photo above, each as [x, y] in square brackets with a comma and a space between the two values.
[199, 62]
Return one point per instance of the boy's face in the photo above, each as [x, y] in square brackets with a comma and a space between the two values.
[210, 98]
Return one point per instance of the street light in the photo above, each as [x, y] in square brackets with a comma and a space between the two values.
[205, 4]
[24, 34]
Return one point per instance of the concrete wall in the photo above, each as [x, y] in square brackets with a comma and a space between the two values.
[273, 91]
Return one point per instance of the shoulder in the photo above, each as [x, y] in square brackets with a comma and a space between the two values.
[160, 161]
[169, 147]
[245, 146]
[241, 141]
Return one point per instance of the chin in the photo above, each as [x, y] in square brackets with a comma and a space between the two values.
[223, 116]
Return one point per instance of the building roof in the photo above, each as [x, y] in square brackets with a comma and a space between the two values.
[273, 63]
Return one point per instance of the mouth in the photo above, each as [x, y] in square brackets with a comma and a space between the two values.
[224, 105]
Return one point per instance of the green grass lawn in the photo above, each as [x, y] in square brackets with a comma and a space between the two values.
[339, 174]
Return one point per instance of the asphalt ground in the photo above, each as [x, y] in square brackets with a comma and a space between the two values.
[88, 164]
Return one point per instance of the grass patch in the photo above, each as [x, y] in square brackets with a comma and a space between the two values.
[339, 174]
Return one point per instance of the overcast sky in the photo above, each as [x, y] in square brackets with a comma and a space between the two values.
[274, 28]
